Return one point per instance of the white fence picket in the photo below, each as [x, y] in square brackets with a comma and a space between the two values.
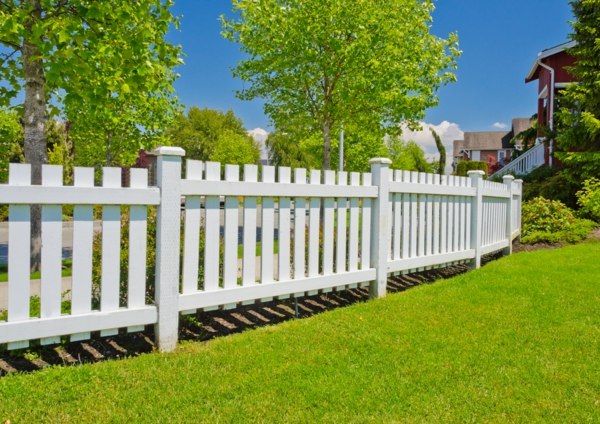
[51, 281]
[83, 240]
[299, 230]
[267, 232]
[191, 238]
[230, 261]
[313, 229]
[284, 230]
[19, 239]
[353, 239]
[111, 248]
[341, 237]
[249, 253]
[212, 227]
[365, 242]
[138, 228]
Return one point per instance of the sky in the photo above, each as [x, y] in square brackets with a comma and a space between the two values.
[500, 40]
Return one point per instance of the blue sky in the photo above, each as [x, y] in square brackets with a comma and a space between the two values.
[499, 39]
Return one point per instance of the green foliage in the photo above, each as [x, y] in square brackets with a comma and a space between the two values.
[235, 149]
[578, 114]
[323, 64]
[107, 68]
[11, 135]
[465, 166]
[589, 199]
[407, 155]
[441, 165]
[283, 151]
[550, 183]
[552, 222]
[198, 132]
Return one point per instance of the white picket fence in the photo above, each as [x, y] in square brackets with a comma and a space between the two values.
[322, 231]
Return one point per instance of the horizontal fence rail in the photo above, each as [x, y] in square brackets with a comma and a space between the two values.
[228, 235]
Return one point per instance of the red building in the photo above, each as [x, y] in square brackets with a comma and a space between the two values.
[549, 69]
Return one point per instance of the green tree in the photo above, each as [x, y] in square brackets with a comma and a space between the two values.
[441, 165]
[284, 151]
[578, 123]
[11, 136]
[321, 64]
[235, 149]
[408, 155]
[199, 130]
[95, 59]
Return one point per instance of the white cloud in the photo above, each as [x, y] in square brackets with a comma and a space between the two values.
[448, 132]
[499, 125]
[260, 136]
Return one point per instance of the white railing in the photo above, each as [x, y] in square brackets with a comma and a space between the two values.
[272, 238]
[524, 164]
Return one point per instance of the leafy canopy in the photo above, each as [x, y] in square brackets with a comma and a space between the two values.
[209, 134]
[106, 67]
[578, 123]
[321, 64]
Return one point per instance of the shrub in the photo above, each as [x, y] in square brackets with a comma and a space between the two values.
[470, 165]
[551, 221]
[588, 198]
[550, 185]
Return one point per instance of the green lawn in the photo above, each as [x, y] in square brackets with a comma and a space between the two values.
[517, 341]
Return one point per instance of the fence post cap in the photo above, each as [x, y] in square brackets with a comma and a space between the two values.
[476, 173]
[520, 181]
[380, 161]
[168, 151]
[507, 178]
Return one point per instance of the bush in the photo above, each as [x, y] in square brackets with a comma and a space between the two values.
[551, 184]
[589, 199]
[552, 222]
[470, 165]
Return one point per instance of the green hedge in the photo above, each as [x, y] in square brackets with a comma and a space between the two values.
[471, 165]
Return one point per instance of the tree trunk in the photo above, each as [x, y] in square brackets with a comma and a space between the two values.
[35, 124]
[326, 143]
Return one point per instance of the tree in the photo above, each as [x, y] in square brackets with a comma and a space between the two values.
[198, 132]
[408, 155]
[235, 149]
[283, 151]
[321, 64]
[11, 135]
[578, 123]
[441, 166]
[90, 58]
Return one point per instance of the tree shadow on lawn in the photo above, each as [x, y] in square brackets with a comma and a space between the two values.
[204, 326]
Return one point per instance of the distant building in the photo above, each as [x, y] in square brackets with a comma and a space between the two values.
[493, 147]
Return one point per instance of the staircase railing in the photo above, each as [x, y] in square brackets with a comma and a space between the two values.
[524, 164]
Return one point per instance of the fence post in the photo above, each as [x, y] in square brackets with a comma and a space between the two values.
[519, 184]
[476, 177]
[508, 182]
[168, 179]
[380, 242]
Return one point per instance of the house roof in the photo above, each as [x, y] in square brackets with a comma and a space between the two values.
[457, 146]
[532, 75]
[491, 140]
[521, 124]
[484, 140]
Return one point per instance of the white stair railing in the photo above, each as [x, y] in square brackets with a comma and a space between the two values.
[524, 164]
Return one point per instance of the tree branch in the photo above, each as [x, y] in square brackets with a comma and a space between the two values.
[8, 56]
[10, 43]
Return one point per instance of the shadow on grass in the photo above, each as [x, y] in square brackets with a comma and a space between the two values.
[204, 326]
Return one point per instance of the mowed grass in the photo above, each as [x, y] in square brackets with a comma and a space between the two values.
[517, 341]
